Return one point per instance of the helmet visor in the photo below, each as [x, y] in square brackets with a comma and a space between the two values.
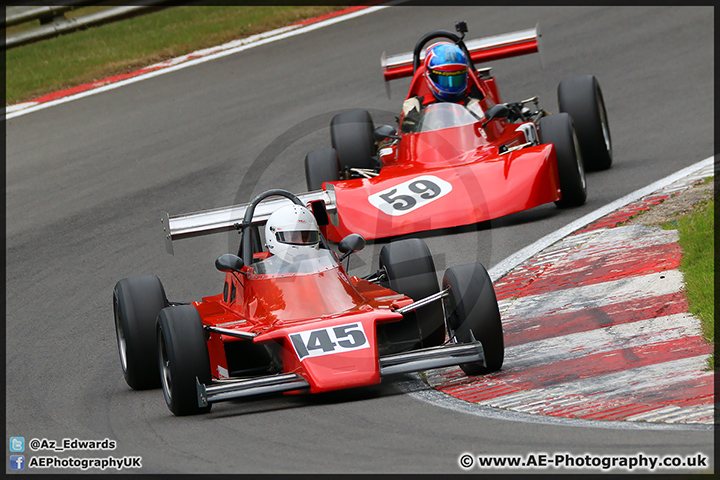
[298, 237]
[449, 79]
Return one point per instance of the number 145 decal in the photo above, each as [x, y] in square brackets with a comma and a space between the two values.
[410, 195]
[326, 341]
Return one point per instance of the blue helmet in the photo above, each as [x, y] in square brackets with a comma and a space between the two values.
[446, 68]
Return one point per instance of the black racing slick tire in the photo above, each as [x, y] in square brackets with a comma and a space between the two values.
[582, 98]
[321, 166]
[136, 304]
[473, 313]
[182, 356]
[558, 130]
[410, 270]
[351, 137]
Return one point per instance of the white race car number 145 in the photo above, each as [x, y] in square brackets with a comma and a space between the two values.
[326, 341]
[410, 195]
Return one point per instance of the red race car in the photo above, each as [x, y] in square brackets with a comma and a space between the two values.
[291, 319]
[458, 162]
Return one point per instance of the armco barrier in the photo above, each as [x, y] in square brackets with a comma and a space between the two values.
[56, 23]
[15, 15]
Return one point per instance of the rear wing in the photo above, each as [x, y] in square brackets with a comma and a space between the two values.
[225, 219]
[486, 49]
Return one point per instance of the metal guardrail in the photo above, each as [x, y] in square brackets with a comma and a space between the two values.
[44, 11]
[54, 23]
[17, 15]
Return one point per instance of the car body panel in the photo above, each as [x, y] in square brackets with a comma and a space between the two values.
[482, 182]
[333, 353]
[486, 183]
[478, 191]
[275, 330]
[283, 309]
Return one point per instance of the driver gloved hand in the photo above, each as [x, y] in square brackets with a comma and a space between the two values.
[411, 114]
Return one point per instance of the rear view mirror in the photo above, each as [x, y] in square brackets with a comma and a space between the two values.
[228, 262]
[351, 244]
[384, 132]
[496, 111]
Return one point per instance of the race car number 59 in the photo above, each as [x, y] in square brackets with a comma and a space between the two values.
[326, 341]
[410, 195]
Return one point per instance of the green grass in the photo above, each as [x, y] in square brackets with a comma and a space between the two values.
[46, 66]
[697, 234]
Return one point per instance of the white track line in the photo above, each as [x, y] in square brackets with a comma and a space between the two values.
[226, 49]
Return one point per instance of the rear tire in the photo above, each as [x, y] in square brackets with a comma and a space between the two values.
[351, 137]
[472, 307]
[582, 98]
[558, 130]
[182, 356]
[411, 271]
[321, 166]
[136, 304]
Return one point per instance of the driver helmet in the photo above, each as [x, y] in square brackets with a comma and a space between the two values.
[446, 68]
[290, 231]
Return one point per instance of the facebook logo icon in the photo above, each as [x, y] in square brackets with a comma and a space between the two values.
[17, 462]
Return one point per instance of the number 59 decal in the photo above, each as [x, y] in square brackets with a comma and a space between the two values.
[326, 341]
[410, 195]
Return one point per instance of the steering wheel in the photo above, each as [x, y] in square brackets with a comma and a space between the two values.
[439, 34]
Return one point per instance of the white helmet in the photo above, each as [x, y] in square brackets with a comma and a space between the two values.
[291, 230]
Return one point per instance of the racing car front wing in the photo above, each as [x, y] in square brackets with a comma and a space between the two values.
[414, 361]
[228, 389]
[433, 357]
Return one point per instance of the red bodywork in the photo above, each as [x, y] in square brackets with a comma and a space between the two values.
[318, 331]
[483, 184]
[275, 307]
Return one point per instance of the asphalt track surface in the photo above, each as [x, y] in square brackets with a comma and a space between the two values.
[87, 181]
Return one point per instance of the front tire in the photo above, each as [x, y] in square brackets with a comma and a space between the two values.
[558, 130]
[136, 304]
[411, 271]
[582, 98]
[473, 312]
[182, 356]
[351, 137]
